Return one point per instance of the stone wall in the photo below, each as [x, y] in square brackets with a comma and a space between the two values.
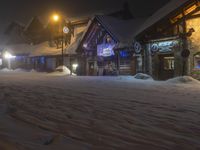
[194, 45]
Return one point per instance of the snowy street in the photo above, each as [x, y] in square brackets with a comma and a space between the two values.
[40, 111]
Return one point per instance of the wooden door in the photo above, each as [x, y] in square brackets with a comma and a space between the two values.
[91, 68]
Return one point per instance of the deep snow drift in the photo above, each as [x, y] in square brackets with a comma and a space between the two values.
[42, 112]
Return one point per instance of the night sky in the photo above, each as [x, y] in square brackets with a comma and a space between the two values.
[23, 10]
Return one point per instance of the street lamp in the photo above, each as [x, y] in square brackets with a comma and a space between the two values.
[55, 17]
[65, 30]
[8, 57]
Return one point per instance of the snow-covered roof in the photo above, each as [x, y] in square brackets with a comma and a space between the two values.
[123, 30]
[44, 49]
[13, 34]
[72, 48]
[19, 49]
[160, 14]
[87, 28]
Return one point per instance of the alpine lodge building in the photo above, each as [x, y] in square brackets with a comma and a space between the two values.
[171, 40]
[163, 45]
[107, 48]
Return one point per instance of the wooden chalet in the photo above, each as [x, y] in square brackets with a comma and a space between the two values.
[171, 40]
[106, 47]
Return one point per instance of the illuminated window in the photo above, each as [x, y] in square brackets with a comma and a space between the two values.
[197, 61]
[169, 63]
[42, 60]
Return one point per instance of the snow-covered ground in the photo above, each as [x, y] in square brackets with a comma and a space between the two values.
[43, 112]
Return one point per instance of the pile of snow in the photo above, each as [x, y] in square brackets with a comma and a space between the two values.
[183, 79]
[20, 70]
[143, 76]
[33, 70]
[5, 70]
[61, 70]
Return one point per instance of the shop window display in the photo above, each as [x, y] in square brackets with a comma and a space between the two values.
[169, 63]
[196, 71]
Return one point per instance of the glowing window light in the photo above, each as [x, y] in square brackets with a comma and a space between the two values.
[75, 66]
[7, 55]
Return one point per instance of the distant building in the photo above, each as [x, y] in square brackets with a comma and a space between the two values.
[36, 48]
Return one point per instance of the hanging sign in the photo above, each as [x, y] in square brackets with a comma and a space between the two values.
[185, 53]
[167, 46]
[164, 46]
[65, 30]
[105, 50]
[137, 47]
[154, 48]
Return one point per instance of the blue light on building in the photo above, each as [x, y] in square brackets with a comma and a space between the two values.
[124, 54]
[42, 60]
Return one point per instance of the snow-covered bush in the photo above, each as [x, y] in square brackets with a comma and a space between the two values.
[5, 70]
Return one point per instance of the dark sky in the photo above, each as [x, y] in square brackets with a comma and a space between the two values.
[23, 10]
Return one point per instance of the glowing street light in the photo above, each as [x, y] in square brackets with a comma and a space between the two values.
[65, 30]
[8, 56]
[56, 17]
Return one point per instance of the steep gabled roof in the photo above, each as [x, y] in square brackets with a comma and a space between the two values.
[72, 48]
[13, 34]
[122, 30]
[44, 49]
[170, 7]
[34, 25]
[19, 49]
[124, 13]
[13, 25]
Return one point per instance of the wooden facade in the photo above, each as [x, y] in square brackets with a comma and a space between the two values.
[169, 38]
[99, 55]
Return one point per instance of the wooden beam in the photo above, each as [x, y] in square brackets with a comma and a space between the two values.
[194, 16]
[182, 19]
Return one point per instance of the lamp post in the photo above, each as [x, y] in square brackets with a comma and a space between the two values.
[8, 57]
[65, 30]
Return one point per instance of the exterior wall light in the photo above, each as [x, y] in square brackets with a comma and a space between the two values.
[7, 55]
[75, 66]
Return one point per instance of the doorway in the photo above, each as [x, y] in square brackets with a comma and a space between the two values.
[91, 68]
[166, 66]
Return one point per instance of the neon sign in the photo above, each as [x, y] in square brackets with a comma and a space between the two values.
[165, 46]
[105, 50]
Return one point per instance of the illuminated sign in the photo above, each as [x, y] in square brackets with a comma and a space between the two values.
[66, 30]
[137, 47]
[165, 46]
[154, 48]
[105, 50]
